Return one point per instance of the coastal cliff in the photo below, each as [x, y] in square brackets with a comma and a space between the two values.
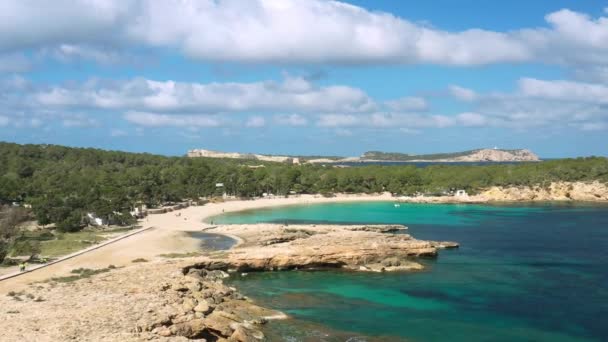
[556, 191]
[479, 155]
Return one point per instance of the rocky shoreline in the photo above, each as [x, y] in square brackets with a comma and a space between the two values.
[186, 299]
[270, 247]
[557, 191]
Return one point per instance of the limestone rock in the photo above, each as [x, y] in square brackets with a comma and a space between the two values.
[246, 333]
[203, 307]
[321, 246]
[219, 324]
[191, 329]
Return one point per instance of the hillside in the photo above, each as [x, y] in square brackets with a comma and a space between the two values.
[235, 155]
[479, 155]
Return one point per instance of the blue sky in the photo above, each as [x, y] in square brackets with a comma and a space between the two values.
[306, 76]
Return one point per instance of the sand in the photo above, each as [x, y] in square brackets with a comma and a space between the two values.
[168, 234]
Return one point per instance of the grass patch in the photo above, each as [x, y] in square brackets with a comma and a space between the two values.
[181, 255]
[116, 230]
[139, 260]
[218, 255]
[66, 243]
[60, 244]
[82, 273]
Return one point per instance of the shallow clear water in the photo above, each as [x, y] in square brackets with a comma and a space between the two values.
[535, 272]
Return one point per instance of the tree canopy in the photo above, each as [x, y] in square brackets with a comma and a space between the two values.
[62, 184]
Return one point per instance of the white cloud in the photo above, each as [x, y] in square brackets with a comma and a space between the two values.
[288, 31]
[407, 104]
[594, 126]
[463, 94]
[472, 119]
[118, 133]
[31, 24]
[338, 120]
[409, 131]
[68, 53]
[21, 122]
[342, 132]
[291, 120]
[564, 90]
[14, 62]
[386, 120]
[596, 74]
[169, 96]
[542, 104]
[255, 121]
[164, 120]
[4, 121]
[80, 121]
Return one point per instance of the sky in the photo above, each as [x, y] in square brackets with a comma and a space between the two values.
[306, 77]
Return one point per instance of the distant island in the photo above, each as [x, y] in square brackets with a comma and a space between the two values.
[477, 155]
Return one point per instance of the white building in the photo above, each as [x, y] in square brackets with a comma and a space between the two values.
[94, 220]
[461, 193]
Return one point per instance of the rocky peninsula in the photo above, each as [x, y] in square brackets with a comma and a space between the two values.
[268, 247]
[186, 298]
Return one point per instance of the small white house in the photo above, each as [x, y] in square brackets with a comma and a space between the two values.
[461, 193]
[94, 220]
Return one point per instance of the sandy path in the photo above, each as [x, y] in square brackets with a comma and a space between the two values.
[166, 236]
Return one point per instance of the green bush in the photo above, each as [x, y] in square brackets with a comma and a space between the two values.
[25, 247]
[4, 249]
[72, 223]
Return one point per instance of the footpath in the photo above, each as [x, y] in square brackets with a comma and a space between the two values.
[75, 254]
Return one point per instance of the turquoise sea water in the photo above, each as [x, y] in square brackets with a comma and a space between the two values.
[535, 272]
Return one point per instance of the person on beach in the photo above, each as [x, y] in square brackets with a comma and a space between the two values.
[21, 267]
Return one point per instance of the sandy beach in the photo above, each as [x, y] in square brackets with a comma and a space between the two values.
[168, 234]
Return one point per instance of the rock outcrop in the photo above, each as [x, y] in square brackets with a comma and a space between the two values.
[479, 155]
[492, 155]
[180, 300]
[268, 247]
[557, 191]
[153, 301]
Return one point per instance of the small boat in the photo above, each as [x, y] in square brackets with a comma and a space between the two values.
[397, 205]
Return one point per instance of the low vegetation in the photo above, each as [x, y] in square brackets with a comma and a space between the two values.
[180, 255]
[19, 241]
[81, 273]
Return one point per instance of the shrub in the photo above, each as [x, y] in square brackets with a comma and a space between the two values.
[4, 248]
[25, 247]
[72, 223]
